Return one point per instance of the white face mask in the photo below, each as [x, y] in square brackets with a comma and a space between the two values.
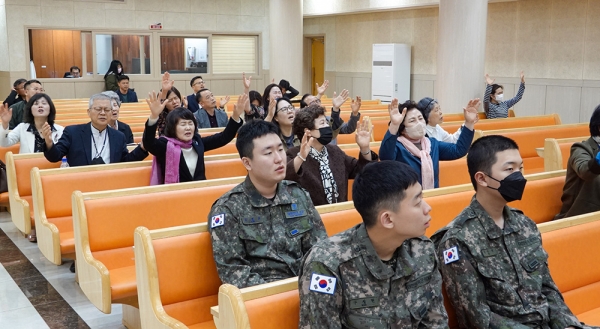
[119, 70]
[499, 98]
[416, 132]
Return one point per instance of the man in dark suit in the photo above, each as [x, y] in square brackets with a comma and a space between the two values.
[92, 143]
[197, 84]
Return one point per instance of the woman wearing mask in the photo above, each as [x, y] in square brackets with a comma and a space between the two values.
[405, 141]
[110, 78]
[493, 101]
[319, 167]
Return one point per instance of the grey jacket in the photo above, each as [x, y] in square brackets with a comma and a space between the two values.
[202, 118]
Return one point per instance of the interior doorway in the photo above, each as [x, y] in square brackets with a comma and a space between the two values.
[317, 62]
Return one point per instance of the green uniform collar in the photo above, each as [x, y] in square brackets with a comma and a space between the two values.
[511, 224]
[282, 196]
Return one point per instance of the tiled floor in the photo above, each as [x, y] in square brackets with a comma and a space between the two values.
[35, 293]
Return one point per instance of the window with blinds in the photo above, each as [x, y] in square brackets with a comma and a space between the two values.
[234, 54]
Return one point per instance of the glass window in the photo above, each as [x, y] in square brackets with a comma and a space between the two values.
[183, 55]
[133, 51]
[234, 54]
[54, 52]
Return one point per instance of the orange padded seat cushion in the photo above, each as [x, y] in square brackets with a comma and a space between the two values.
[529, 140]
[23, 172]
[195, 311]
[591, 317]
[444, 208]
[565, 150]
[4, 197]
[67, 242]
[541, 199]
[532, 165]
[275, 312]
[339, 221]
[224, 168]
[504, 124]
[454, 172]
[121, 267]
[204, 325]
[227, 149]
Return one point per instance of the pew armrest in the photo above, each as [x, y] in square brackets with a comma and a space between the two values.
[47, 233]
[19, 208]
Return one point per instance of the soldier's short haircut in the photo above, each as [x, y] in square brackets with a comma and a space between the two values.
[482, 154]
[250, 131]
[381, 185]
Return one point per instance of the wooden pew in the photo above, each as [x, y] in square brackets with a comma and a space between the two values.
[4, 200]
[508, 123]
[529, 139]
[556, 152]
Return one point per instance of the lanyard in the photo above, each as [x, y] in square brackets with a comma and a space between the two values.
[103, 144]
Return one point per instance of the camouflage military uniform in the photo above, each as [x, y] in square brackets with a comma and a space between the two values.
[261, 240]
[368, 292]
[500, 278]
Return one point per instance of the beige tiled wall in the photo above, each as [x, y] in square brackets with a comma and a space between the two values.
[556, 43]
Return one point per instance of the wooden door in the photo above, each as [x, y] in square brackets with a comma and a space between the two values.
[172, 55]
[42, 51]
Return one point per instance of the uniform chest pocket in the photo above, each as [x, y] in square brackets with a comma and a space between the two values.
[534, 260]
[419, 296]
[297, 227]
[254, 229]
[359, 321]
[489, 270]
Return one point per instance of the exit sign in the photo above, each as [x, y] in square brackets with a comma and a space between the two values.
[156, 26]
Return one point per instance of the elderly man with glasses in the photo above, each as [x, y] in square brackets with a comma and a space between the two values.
[92, 143]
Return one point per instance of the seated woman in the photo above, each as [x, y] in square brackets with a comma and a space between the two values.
[493, 100]
[179, 154]
[113, 119]
[319, 167]
[405, 141]
[282, 112]
[172, 101]
[38, 110]
[582, 183]
[432, 113]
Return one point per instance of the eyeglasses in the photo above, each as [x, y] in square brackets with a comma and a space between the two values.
[198, 83]
[290, 108]
[102, 109]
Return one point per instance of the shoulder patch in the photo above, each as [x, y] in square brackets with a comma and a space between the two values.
[451, 255]
[323, 284]
[217, 220]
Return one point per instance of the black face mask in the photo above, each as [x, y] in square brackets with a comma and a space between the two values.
[512, 187]
[326, 135]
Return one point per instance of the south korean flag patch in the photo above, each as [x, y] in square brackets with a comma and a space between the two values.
[451, 255]
[322, 283]
[217, 220]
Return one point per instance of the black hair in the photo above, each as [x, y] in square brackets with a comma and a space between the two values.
[266, 94]
[595, 122]
[409, 105]
[284, 84]
[425, 106]
[381, 186]
[255, 96]
[305, 119]
[482, 154]
[122, 77]
[302, 101]
[495, 87]
[28, 83]
[113, 68]
[194, 79]
[180, 113]
[199, 94]
[28, 116]
[74, 68]
[250, 131]
[174, 91]
[18, 82]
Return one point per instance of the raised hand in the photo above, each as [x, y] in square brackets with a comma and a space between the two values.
[471, 113]
[522, 77]
[166, 82]
[223, 102]
[338, 101]
[489, 80]
[305, 145]
[242, 102]
[46, 133]
[155, 105]
[321, 89]
[396, 117]
[355, 106]
[5, 115]
[246, 82]
[273, 81]
[363, 134]
[271, 111]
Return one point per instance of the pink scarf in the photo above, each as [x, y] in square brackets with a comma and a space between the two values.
[172, 158]
[427, 177]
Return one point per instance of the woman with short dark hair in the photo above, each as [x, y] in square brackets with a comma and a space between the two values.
[179, 153]
[493, 100]
[110, 78]
[319, 167]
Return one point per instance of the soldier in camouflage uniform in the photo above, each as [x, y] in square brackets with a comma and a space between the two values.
[261, 229]
[382, 273]
[491, 256]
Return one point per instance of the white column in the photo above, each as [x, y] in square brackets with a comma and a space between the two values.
[461, 53]
[286, 34]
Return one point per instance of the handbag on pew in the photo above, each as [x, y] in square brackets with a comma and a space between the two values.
[3, 181]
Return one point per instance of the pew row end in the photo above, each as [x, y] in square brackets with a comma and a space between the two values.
[19, 207]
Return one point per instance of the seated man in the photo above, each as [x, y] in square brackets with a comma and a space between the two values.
[209, 116]
[74, 72]
[491, 256]
[197, 84]
[125, 94]
[32, 87]
[17, 94]
[262, 228]
[91, 143]
[381, 273]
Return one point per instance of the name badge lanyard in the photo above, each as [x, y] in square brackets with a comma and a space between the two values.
[103, 145]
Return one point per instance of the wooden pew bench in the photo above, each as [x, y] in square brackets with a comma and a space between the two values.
[4, 200]
[508, 123]
[556, 152]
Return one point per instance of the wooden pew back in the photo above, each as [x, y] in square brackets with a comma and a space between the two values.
[508, 123]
